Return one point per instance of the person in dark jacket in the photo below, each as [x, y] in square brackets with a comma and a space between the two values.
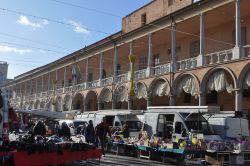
[64, 131]
[125, 131]
[40, 129]
[90, 133]
[102, 129]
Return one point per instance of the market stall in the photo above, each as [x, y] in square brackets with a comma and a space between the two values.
[48, 154]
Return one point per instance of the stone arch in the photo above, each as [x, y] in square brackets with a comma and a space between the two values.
[186, 89]
[91, 101]
[221, 93]
[77, 102]
[158, 92]
[67, 101]
[141, 95]
[121, 97]
[105, 99]
[242, 76]
[244, 89]
[213, 70]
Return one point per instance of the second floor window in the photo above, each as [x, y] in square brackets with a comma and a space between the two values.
[70, 81]
[103, 74]
[170, 2]
[156, 60]
[143, 63]
[90, 77]
[118, 69]
[143, 19]
[195, 48]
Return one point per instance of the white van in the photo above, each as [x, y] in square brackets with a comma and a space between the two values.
[227, 125]
[174, 122]
[115, 118]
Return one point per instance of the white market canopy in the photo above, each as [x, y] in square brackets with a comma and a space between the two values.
[247, 81]
[48, 114]
[218, 82]
[106, 96]
[141, 91]
[188, 85]
[122, 94]
[161, 88]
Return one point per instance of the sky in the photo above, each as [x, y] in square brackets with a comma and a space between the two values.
[36, 32]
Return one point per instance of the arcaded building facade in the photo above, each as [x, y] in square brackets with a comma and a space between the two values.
[187, 53]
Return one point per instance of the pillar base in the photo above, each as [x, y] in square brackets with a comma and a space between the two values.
[200, 60]
[148, 71]
[238, 52]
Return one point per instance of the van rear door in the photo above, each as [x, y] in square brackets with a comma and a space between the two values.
[237, 127]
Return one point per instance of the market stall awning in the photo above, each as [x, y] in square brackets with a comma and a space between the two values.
[49, 114]
[247, 81]
[106, 96]
[188, 85]
[161, 88]
[218, 82]
[122, 94]
[141, 91]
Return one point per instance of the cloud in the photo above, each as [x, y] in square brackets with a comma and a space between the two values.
[23, 20]
[7, 49]
[78, 28]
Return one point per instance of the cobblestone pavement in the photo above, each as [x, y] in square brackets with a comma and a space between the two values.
[116, 160]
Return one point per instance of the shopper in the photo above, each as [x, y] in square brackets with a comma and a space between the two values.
[40, 129]
[125, 131]
[90, 133]
[102, 130]
[64, 131]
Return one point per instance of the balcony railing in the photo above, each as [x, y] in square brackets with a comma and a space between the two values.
[94, 84]
[219, 57]
[106, 81]
[122, 78]
[187, 64]
[212, 58]
[246, 50]
[79, 87]
[140, 74]
[161, 69]
[68, 89]
[59, 91]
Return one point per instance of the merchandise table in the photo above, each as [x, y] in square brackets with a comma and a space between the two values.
[22, 158]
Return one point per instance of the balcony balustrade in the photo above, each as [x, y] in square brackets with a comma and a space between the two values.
[219, 57]
[122, 78]
[246, 50]
[107, 81]
[59, 91]
[212, 58]
[93, 84]
[68, 89]
[160, 69]
[187, 64]
[140, 74]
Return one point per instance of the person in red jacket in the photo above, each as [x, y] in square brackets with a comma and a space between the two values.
[102, 129]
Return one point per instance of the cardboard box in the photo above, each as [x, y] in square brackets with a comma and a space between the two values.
[213, 160]
[170, 146]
